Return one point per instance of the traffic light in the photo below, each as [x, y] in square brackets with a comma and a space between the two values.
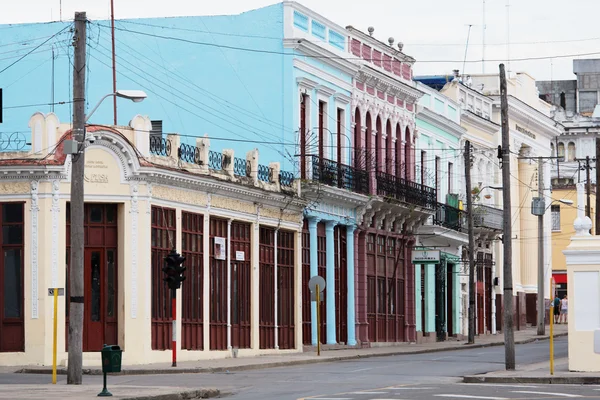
[174, 270]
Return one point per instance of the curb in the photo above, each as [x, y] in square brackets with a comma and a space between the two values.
[187, 395]
[556, 380]
[133, 371]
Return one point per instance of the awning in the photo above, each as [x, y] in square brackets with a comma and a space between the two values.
[560, 278]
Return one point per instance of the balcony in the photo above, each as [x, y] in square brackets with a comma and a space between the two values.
[332, 173]
[487, 217]
[403, 190]
[450, 217]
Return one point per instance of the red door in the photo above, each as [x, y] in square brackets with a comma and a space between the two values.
[92, 320]
[240, 285]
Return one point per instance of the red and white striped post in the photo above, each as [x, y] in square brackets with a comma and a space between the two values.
[174, 327]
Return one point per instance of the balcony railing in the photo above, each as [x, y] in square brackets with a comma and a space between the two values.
[449, 217]
[404, 190]
[343, 176]
[160, 146]
[487, 217]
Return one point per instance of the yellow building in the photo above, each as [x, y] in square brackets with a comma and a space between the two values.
[563, 216]
[237, 223]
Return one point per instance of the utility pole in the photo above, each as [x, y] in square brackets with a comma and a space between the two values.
[541, 326]
[76, 289]
[509, 335]
[471, 338]
[597, 222]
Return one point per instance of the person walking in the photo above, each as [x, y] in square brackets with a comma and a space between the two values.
[564, 310]
[556, 305]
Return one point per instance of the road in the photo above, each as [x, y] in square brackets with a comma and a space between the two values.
[429, 375]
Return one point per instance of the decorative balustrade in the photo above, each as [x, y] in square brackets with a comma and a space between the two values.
[449, 217]
[189, 153]
[286, 179]
[487, 217]
[215, 160]
[264, 173]
[404, 190]
[160, 146]
[343, 176]
[241, 167]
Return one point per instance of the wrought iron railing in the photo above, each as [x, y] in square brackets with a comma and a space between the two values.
[404, 190]
[286, 179]
[215, 160]
[188, 153]
[449, 217]
[343, 176]
[160, 146]
[264, 173]
[487, 217]
[241, 167]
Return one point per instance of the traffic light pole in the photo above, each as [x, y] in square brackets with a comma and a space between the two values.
[174, 314]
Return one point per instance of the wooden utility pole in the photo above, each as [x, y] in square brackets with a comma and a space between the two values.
[76, 288]
[471, 338]
[597, 222]
[114, 62]
[509, 335]
[541, 326]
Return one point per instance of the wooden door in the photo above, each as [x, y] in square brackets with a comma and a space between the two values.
[240, 285]
[450, 299]
[93, 329]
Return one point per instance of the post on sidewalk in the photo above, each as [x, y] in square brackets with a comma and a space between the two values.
[318, 292]
[552, 291]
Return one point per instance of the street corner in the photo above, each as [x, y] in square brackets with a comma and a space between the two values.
[532, 379]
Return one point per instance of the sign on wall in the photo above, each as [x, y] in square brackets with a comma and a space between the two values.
[220, 248]
[425, 256]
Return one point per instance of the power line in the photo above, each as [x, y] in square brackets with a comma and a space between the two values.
[275, 52]
[38, 105]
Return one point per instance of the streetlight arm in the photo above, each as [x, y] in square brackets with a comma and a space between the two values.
[87, 117]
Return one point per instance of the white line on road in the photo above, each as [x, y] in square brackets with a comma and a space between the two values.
[367, 392]
[332, 398]
[499, 385]
[466, 396]
[548, 393]
[411, 388]
[362, 369]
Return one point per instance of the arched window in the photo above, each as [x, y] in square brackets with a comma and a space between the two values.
[407, 155]
[552, 149]
[563, 100]
[561, 151]
[378, 142]
[389, 158]
[357, 137]
[571, 152]
[398, 151]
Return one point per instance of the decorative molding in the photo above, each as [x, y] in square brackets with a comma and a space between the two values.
[305, 83]
[342, 98]
[440, 122]
[55, 211]
[311, 69]
[134, 211]
[325, 91]
[34, 249]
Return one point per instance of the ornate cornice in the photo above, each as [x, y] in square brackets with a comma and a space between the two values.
[478, 122]
[326, 56]
[440, 122]
[387, 84]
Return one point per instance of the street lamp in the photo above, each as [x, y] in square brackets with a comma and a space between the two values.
[134, 95]
[538, 207]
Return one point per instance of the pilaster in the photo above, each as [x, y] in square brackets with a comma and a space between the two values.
[330, 303]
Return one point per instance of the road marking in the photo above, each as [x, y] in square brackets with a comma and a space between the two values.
[331, 398]
[412, 388]
[367, 392]
[499, 385]
[466, 396]
[362, 369]
[549, 393]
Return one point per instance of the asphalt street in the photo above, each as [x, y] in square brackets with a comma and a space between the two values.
[429, 376]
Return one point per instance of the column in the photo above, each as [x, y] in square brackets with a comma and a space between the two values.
[351, 292]
[330, 303]
[206, 301]
[228, 250]
[276, 287]
[314, 270]
[429, 298]
[418, 310]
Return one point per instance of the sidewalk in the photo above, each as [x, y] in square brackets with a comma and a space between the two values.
[538, 373]
[90, 391]
[246, 363]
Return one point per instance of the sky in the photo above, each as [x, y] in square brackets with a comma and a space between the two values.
[433, 31]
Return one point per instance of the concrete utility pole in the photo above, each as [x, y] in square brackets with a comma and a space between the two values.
[597, 222]
[588, 182]
[509, 335]
[471, 244]
[541, 326]
[76, 290]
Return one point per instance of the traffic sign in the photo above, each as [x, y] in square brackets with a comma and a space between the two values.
[314, 281]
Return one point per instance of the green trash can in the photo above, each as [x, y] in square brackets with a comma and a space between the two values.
[111, 362]
[111, 358]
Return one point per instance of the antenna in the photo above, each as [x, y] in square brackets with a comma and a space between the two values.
[466, 48]
[60, 9]
[483, 42]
